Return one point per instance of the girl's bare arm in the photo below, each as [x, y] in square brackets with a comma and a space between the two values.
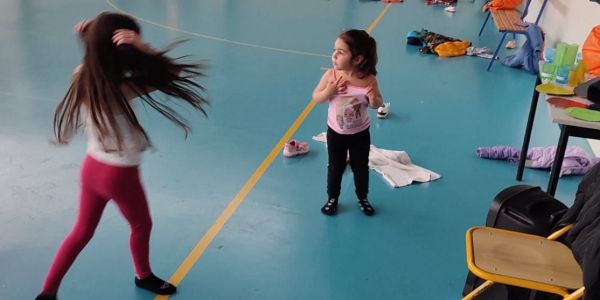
[374, 94]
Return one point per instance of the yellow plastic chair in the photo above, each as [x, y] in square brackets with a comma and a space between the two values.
[523, 260]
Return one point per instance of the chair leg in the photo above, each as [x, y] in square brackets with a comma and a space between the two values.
[496, 52]
[478, 290]
[484, 22]
[575, 295]
[537, 20]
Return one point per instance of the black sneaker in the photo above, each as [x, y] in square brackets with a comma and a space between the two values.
[156, 285]
[330, 207]
[366, 207]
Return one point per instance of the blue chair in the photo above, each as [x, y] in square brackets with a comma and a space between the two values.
[506, 21]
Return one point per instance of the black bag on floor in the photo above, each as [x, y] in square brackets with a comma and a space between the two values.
[525, 209]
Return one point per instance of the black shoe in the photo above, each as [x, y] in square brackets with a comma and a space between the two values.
[366, 207]
[45, 296]
[330, 207]
[156, 285]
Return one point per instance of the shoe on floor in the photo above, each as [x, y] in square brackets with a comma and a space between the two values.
[450, 8]
[155, 285]
[295, 147]
[512, 44]
[383, 111]
[366, 207]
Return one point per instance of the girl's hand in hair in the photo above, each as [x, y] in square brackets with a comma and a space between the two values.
[81, 27]
[130, 37]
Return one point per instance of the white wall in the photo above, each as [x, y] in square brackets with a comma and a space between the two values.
[566, 20]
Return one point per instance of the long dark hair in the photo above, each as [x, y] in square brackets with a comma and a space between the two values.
[361, 43]
[107, 68]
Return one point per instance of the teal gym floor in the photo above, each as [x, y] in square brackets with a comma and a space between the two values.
[268, 238]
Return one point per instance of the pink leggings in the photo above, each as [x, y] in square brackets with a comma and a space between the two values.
[100, 183]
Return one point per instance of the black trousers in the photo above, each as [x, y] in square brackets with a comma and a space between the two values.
[338, 145]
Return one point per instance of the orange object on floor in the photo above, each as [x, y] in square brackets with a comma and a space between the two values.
[455, 48]
[503, 4]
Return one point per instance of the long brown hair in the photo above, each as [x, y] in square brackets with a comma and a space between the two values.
[107, 68]
[361, 43]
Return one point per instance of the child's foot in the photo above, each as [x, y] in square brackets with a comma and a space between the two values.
[155, 285]
[330, 207]
[366, 207]
[45, 296]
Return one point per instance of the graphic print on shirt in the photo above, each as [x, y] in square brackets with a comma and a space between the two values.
[349, 112]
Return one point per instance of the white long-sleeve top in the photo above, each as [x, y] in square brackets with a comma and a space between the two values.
[105, 150]
[397, 168]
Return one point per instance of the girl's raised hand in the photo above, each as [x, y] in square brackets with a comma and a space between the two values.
[125, 36]
[370, 93]
[337, 85]
[130, 37]
[374, 95]
[341, 85]
[80, 27]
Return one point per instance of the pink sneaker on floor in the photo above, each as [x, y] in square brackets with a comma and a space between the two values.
[295, 147]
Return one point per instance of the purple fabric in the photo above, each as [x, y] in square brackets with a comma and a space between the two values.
[576, 160]
[498, 152]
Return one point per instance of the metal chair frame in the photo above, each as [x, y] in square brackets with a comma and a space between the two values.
[506, 31]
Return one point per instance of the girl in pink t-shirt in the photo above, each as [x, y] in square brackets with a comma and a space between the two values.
[350, 87]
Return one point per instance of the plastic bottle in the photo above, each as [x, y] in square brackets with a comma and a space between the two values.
[570, 55]
[559, 56]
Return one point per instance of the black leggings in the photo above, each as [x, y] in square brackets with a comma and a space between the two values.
[338, 145]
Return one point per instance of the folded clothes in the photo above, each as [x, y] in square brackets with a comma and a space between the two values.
[476, 50]
[483, 52]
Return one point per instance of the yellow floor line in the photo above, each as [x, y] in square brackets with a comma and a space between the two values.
[212, 232]
[195, 254]
[376, 21]
[216, 38]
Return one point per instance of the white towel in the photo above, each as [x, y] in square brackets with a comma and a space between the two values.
[395, 166]
[321, 137]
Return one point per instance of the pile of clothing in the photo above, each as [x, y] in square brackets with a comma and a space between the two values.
[444, 2]
[483, 52]
[530, 54]
[576, 161]
[435, 43]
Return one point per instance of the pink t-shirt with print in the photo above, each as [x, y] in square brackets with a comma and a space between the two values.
[347, 113]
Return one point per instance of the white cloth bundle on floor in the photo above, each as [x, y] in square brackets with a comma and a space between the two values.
[395, 166]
